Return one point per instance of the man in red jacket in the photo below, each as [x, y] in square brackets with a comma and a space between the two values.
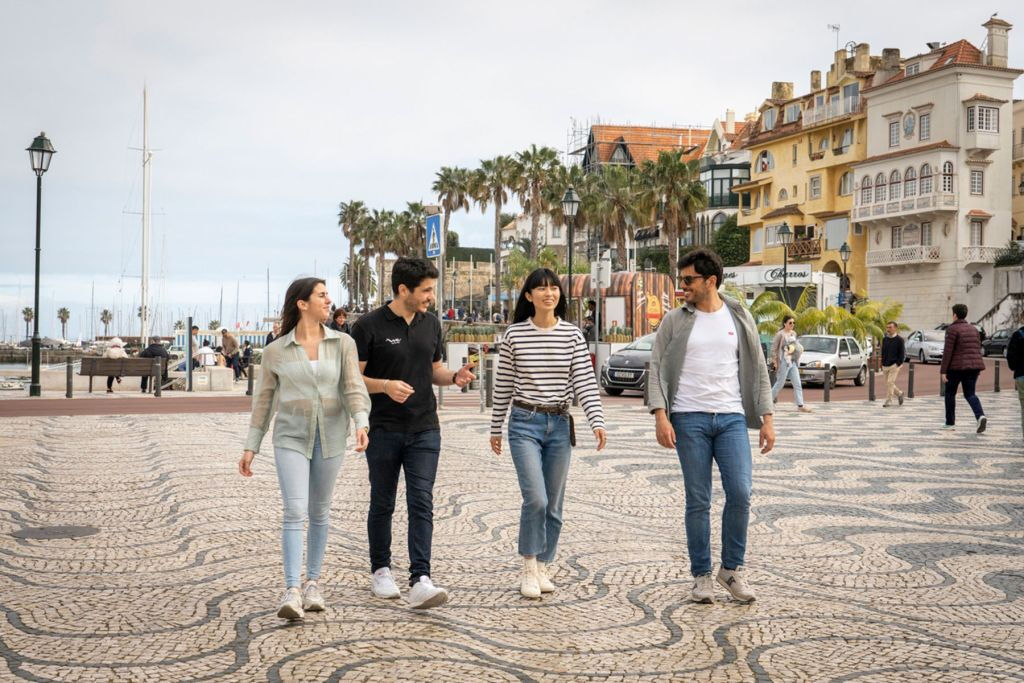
[961, 365]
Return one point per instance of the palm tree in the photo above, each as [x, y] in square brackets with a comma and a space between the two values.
[490, 185]
[214, 324]
[452, 188]
[29, 315]
[536, 166]
[766, 309]
[673, 184]
[617, 207]
[63, 315]
[413, 225]
[105, 318]
[351, 216]
[381, 238]
[360, 272]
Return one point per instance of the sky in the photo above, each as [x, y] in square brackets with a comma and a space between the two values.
[265, 115]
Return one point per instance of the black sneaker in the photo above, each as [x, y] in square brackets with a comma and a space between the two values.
[900, 398]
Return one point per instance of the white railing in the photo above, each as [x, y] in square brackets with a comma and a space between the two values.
[937, 200]
[980, 254]
[904, 256]
[832, 110]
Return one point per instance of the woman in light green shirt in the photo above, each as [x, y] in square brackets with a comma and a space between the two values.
[310, 377]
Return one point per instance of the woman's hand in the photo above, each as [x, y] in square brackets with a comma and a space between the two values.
[362, 440]
[496, 445]
[602, 438]
[245, 464]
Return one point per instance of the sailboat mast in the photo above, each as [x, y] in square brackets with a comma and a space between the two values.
[146, 163]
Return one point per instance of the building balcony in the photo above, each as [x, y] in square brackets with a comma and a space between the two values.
[981, 140]
[833, 110]
[904, 256]
[979, 254]
[804, 250]
[929, 203]
[1018, 152]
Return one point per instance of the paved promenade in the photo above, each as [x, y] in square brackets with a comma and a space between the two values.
[881, 548]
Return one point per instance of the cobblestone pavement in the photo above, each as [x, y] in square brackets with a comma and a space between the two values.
[881, 549]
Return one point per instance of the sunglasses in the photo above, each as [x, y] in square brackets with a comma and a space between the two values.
[689, 279]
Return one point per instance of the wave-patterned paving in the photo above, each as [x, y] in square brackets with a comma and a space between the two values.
[881, 548]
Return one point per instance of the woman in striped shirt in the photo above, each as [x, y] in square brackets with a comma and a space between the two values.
[542, 360]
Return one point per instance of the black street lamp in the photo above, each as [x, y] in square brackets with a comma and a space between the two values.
[570, 207]
[785, 236]
[844, 254]
[40, 153]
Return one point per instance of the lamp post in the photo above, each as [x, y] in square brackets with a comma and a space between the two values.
[844, 254]
[570, 206]
[786, 237]
[40, 153]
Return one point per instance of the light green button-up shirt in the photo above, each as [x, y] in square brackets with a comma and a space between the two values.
[304, 398]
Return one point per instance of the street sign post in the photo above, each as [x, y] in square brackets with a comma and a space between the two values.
[434, 236]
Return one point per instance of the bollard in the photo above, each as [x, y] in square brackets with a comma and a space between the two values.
[871, 384]
[249, 374]
[827, 383]
[489, 371]
[188, 354]
[156, 377]
[910, 380]
[71, 379]
[482, 383]
[997, 377]
[647, 385]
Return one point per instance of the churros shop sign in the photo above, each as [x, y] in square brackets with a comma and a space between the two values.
[770, 276]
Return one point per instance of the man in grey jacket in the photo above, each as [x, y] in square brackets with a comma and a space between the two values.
[709, 384]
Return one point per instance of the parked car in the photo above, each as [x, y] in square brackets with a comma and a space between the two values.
[997, 343]
[844, 356]
[624, 369]
[925, 346]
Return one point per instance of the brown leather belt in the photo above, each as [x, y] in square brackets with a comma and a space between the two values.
[560, 409]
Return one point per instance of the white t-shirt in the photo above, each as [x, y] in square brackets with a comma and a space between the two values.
[206, 356]
[710, 379]
[315, 365]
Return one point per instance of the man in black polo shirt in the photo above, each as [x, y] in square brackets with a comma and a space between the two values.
[400, 355]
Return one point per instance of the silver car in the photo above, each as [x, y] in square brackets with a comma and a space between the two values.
[926, 346]
[843, 356]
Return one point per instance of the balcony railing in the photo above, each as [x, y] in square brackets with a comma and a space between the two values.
[832, 110]
[904, 256]
[939, 201]
[980, 254]
[804, 249]
[1018, 151]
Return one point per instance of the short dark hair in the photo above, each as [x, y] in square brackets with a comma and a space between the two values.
[893, 323]
[705, 262]
[960, 311]
[411, 272]
[195, 328]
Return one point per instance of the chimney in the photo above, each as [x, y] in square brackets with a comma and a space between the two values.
[782, 90]
[838, 67]
[997, 43]
[891, 59]
[815, 80]
[862, 57]
[730, 121]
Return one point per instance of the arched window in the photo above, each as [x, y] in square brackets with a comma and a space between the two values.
[894, 185]
[880, 188]
[717, 222]
[865, 190]
[926, 179]
[910, 182]
[765, 161]
[947, 176]
[783, 196]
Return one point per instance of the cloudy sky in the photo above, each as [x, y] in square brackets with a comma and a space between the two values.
[265, 115]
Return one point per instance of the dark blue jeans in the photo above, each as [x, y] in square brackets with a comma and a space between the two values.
[388, 454]
[700, 439]
[968, 379]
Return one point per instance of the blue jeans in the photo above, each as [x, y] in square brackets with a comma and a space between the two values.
[387, 455]
[306, 487]
[541, 452]
[792, 372]
[701, 438]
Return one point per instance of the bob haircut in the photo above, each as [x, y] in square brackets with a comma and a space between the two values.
[542, 277]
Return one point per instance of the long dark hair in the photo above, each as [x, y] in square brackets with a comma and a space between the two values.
[298, 290]
[542, 277]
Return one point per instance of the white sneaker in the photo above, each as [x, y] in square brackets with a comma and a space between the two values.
[703, 590]
[291, 604]
[424, 594]
[735, 582]
[312, 601]
[982, 423]
[528, 585]
[546, 586]
[383, 584]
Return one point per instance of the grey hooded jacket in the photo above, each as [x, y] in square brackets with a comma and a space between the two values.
[669, 354]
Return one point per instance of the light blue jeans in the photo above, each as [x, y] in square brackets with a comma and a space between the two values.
[306, 487]
[540, 448]
[703, 438]
[791, 371]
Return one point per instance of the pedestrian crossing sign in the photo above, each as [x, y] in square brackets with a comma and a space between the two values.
[434, 236]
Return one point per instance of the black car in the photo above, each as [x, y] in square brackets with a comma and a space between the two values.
[996, 344]
[624, 369]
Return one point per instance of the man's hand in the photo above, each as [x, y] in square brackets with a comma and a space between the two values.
[663, 430]
[766, 437]
[464, 376]
[942, 376]
[397, 390]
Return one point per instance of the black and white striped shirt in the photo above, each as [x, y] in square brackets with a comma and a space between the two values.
[543, 367]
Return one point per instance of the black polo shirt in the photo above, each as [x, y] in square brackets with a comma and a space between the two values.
[393, 349]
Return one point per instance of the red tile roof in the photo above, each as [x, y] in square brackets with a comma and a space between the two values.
[788, 210]
[644, 142]
[944, 144]
[960, 53]
[978, 213]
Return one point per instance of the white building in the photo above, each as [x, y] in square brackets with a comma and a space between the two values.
[724, 163]
[932, 192]
[549, 234]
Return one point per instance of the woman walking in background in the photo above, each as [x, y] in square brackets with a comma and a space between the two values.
[310, 375]
[785, 360]
[542, 360]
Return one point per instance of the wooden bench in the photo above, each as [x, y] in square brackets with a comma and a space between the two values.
[122, 367]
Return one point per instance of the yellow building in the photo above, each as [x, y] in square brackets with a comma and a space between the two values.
[1017, 172]
[800, 156]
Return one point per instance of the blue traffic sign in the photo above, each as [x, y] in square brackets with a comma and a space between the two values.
[434, 236]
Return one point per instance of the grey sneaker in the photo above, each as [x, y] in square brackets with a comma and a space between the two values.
[982, 423]
[312, 601]
[383, 584]
[735, 582]
[424, 594]
[703, 590]
[949, 428]
[900, 398]
[291, 604]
